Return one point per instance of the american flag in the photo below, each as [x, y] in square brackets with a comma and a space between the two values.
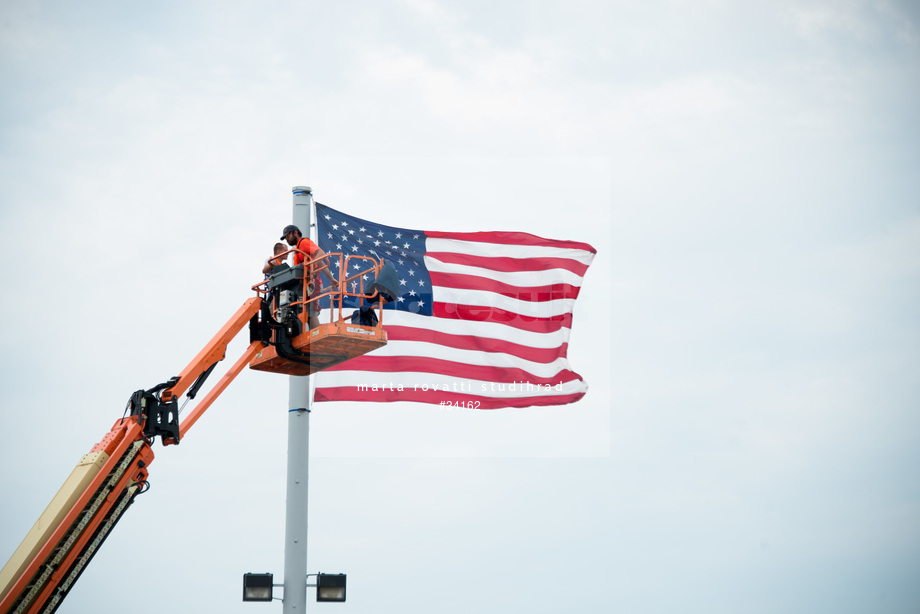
[482, 319]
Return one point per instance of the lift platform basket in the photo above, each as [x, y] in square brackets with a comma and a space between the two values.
[322, 347]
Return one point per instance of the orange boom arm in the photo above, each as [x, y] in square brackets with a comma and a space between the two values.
[107, 479]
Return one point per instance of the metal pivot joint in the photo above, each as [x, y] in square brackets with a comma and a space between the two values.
[158, 419]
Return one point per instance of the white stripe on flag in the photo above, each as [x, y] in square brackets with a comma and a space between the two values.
[493, 330]
[505, 250]
[481, 298]
[523, 279]
[471, 357]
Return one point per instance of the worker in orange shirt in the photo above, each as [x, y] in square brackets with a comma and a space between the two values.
[292, 235]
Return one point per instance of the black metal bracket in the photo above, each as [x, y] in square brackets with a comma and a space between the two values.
[260, 329]
[159, 419]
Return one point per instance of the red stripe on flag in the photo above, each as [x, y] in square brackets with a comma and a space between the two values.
[509, 238]
[460, 370]
[477, 313]
[440, 397]
[472, 342]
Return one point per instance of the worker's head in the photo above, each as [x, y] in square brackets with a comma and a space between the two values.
[280, 247]
[291, 234]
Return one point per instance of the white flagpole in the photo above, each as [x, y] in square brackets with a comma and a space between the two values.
[298, 459]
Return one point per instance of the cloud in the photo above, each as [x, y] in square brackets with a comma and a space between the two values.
[746, 172]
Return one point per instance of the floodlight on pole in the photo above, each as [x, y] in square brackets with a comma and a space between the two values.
[257, 586]
[330, 587]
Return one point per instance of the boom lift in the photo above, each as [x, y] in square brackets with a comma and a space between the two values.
[110, 476]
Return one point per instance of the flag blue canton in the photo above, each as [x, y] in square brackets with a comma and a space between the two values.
[339, 232]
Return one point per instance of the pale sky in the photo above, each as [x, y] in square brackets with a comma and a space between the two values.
[747, 172]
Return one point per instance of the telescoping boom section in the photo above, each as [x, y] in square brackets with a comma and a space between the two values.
[285, 336]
